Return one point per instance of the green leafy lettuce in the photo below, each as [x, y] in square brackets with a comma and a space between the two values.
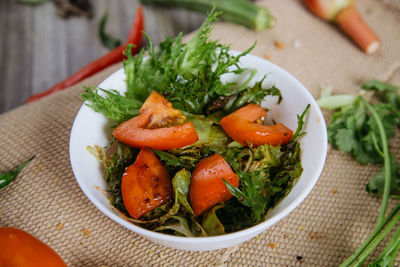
[187, 74]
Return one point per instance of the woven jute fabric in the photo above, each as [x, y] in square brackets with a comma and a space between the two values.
[326, 228]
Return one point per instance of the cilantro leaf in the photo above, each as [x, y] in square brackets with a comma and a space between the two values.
[345, 140]
[377, 182]
[386, 92]
[353, 130]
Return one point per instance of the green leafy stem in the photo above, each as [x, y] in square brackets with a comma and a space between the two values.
[384, 224]
[364, 129]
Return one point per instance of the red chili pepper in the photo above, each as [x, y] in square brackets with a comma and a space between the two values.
[114, 56]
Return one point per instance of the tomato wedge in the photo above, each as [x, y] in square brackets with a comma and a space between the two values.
[19, 248]
[242, 126]
[162, 112]
[145, 184]
[207, 187]
[152, 127]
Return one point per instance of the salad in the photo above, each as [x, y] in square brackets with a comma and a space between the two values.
[190, 154]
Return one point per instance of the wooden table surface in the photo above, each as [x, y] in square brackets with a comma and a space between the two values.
[38, 48]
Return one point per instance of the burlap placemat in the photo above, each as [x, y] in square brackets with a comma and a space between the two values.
[326, 228]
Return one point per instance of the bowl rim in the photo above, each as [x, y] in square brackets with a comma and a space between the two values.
[251, 231]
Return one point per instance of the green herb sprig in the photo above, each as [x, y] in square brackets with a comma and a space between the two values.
[363, 129]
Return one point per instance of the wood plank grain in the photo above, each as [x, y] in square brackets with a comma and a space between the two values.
[49, 48]
[16, 60]
[40, 49]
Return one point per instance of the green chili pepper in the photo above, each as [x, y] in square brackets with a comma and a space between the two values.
[8, 177]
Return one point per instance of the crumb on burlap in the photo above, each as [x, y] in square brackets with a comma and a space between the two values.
[313, 235]
[279, 45]
[86, 232]
[272, 245]
[318, 235]
[60, 226]
[267, 56]
[334, 191]
[39, 167]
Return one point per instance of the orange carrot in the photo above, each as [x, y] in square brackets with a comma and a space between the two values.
[349, 19]
[351, 22]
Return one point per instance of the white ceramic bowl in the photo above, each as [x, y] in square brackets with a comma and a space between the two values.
[91, 128]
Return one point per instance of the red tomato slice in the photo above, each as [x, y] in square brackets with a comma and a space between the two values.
[242, 127]
[150, 128]
[207, 187]
[145, 184]
[21, 249]
[162, 112]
